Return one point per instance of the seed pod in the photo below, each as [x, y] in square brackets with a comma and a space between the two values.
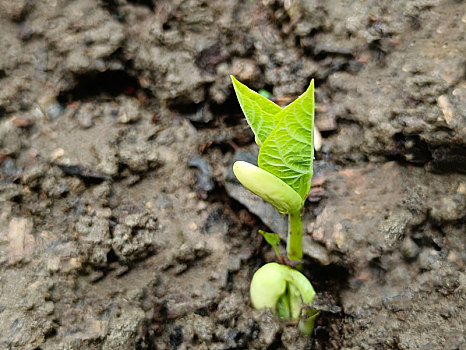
[269, 187]
[269, 283]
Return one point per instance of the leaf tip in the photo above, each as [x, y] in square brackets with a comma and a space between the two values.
[311, 86]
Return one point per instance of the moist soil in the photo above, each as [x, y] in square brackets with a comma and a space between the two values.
[121, 225]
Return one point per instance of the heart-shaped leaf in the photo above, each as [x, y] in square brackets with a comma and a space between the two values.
[260, 112]
[288, 151]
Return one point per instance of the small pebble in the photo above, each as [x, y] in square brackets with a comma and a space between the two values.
[409, 248]
[58, 153]
[428, 257]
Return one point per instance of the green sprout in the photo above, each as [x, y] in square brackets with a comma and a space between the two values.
[274, 240]
[283, 178]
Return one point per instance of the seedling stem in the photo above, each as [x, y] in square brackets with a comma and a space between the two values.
[295, 236]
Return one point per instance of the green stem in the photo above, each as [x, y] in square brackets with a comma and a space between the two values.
[295, 237]
[283, 304]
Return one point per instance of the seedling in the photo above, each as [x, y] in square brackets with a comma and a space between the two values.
[283, 178]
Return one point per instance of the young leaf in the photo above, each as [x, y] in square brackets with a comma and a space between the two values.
[288, 151]
[306, 325]
[260, 112]
[271, 238]
[265, 93]
[283, 304]
[289, 305]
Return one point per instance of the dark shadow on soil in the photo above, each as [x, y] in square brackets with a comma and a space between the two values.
[411, 149]
[90, 85]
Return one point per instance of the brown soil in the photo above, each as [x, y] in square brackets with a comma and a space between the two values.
[121, 226]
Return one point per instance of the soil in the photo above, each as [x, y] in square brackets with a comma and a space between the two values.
[121, 226]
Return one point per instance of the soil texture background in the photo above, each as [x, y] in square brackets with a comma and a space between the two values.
[122, 226]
